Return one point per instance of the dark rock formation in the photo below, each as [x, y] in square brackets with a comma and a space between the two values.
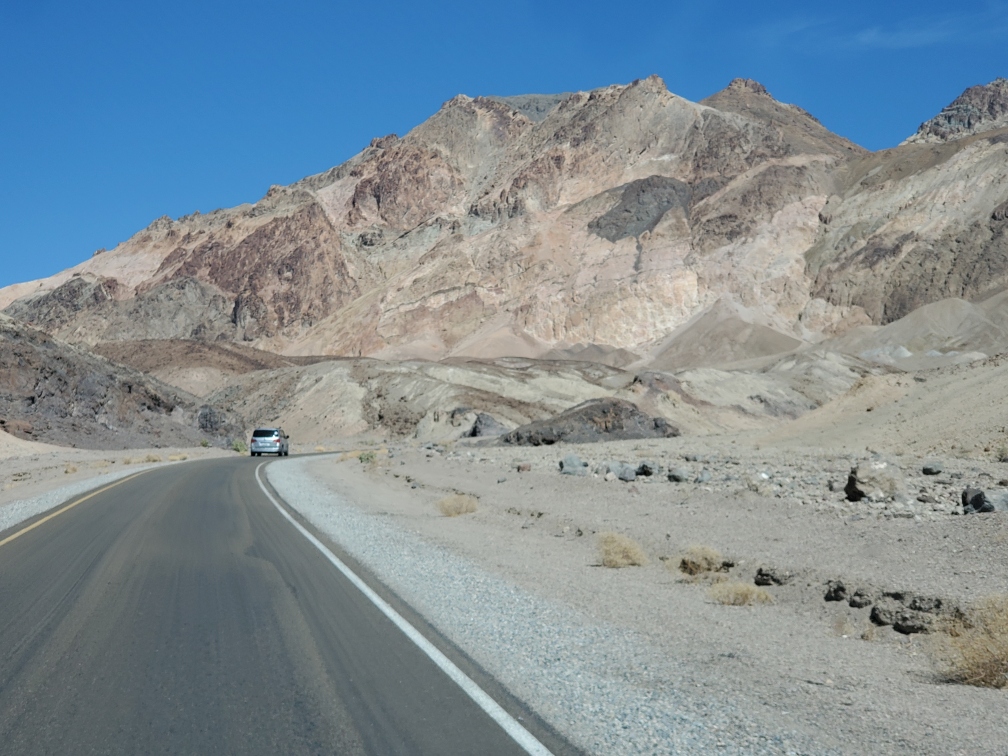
[591, 421]
[59, 394]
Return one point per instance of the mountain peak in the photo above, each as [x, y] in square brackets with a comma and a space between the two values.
[748, 85]
[980, 108]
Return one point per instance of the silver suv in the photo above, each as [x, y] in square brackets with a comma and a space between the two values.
[269, 441]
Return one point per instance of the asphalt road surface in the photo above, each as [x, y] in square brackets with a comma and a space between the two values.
[179, 612]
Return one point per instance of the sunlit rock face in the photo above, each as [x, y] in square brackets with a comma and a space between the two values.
[530, 225]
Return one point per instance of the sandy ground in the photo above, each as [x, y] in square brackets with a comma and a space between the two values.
[801, 664]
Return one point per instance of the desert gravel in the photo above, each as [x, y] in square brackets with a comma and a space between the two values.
[605, 688]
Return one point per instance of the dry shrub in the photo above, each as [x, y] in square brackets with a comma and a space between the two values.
[127, 461]
[320, 449]
[976, 650]
[739, 594]
[458, 504]
[70, 470]
[152, 458]
[619, 551]
[700, 559]
[178, 457]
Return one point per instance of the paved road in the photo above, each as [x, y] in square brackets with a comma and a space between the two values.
[178, 612]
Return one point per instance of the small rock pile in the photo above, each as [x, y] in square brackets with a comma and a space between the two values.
[905, 612]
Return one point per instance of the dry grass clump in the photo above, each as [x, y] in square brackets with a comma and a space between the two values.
[619, 551]
[152, 458]
[320, 449]
[458, 504]
[178, 457]
[700, 559]
[739, 594]
[976, 651]
[70, 470]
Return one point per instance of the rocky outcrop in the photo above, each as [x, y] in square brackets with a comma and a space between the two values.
[921, 222]
[591, 421]
[54, 392]
[980, 108]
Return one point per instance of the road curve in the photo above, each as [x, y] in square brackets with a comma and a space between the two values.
[179, 612]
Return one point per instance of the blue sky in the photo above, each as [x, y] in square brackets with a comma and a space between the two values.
[116, 113]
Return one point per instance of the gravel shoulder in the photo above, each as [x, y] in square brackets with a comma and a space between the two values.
[641, 659]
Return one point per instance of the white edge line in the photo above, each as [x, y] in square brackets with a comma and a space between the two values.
[482, 699]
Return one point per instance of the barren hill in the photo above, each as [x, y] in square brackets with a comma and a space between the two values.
[547, 225]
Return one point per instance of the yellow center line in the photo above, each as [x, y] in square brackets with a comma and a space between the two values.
[48, 517]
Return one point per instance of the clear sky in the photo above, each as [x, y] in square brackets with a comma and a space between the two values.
[115, 113]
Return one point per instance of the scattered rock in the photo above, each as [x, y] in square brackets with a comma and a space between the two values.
[925, 604]
[926, 499]
[975, 501]
[876, 480]
[523, 467]
[772, 576]
[908, 622]
[591, 421]
[647, 468]
[861, 598]
[933, 468]
[835, 591]
[679, 475]
[572, 465]
[703, 477]
[627, 474]
[609, 477]
[884, 612]
[908, 613]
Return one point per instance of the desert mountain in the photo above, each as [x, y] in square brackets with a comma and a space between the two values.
[500, 226]
[589, 225]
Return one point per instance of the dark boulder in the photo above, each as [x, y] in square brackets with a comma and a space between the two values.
[772, 576]
[975, 501]
[486, 425]
[591, 421]
[679, 474]
[835, 591]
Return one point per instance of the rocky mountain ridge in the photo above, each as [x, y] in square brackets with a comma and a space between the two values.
[599, 220]
[980, 108]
